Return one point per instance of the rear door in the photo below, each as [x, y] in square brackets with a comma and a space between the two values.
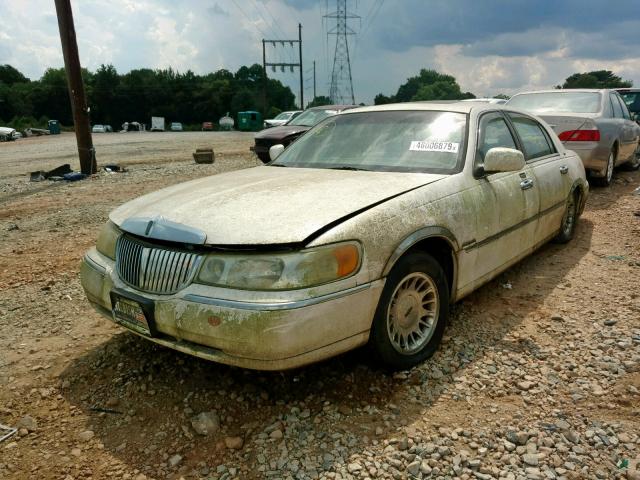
[549, 170]
[628, 136]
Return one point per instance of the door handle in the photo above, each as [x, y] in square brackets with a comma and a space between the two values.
[526, 184]
[564, 169]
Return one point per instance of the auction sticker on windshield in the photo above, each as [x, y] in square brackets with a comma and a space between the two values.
[434, 146]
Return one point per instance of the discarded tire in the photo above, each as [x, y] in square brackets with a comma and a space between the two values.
[204, 155]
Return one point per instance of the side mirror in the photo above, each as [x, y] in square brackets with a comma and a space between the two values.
[501, 159]
[275, 151]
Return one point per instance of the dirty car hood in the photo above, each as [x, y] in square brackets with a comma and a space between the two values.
[268, 205]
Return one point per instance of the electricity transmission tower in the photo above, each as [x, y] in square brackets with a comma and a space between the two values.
[341, 90]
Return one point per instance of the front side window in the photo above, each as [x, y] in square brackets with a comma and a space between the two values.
[494, 132]
[534, 141]
[632, 100]
[400, 141]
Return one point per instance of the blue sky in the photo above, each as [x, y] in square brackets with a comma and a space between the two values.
[490, 46]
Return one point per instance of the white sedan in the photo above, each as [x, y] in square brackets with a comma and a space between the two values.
[363, 231]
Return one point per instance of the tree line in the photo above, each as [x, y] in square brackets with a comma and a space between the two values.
[432, 85]
[114, 98]
[191, 99]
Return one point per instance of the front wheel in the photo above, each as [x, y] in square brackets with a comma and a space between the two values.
[412, 313]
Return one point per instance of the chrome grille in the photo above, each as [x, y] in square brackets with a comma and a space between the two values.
[153, 268]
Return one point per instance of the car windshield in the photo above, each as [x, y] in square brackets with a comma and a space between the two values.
[558, 102]
[632, 99]
[399, 141]
[283, 116]
[311, 117]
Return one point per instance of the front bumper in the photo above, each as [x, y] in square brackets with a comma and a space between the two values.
[262, 335]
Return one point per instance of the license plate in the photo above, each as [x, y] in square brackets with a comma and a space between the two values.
[129, 313]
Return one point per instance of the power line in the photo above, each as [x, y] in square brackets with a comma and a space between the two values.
[248, 18]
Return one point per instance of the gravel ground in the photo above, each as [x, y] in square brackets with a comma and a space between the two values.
[538, 376]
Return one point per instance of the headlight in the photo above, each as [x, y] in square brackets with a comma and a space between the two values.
[106, 244]
[281, 271]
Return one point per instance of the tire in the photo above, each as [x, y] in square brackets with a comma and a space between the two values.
[634, 161]
[569, 219]
[608, 175]
[400, 338]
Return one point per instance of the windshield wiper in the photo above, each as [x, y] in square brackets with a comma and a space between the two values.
[347, 167]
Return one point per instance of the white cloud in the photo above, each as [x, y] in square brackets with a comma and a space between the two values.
[205, 36]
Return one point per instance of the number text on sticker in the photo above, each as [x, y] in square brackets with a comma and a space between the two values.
[434, 146]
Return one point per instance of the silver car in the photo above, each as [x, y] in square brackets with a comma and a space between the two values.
[595, 124]
[362, 231]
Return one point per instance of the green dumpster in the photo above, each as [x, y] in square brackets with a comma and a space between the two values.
[54, 127]
[249, 121]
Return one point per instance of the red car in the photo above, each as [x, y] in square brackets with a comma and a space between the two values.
[207, 126]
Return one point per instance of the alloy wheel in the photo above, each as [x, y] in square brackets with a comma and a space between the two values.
[412, 314]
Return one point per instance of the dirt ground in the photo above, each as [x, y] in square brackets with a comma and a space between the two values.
[550, 350]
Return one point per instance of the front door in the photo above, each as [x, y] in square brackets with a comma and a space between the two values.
[506, 205]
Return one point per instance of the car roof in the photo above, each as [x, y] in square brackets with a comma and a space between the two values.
[446, 105]
[332, 107]
[475, 108]
[564, 90]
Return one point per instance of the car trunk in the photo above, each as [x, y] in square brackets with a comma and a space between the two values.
[569, 122]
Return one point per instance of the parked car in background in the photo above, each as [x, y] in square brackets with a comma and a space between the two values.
[631, 97]
[281, 119]
[285, 134]
[98, 129]
[364, 230]
[7, 134]
[108, 128]
[596, 124]
[132, 127]
[176, 127]
[207, 126]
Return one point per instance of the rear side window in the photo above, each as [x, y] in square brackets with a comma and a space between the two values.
[494, 132]
[617, 109]
[533, 137]
[625, 111]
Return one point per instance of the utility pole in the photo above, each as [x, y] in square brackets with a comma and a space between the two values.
[301, 80]
[266, 64]
[341, 90]
[264, 80]
[314, 79]
[77, 96]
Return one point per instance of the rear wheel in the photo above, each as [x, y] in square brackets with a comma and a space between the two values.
[608, 176]
[569, 220]
[412, 312]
